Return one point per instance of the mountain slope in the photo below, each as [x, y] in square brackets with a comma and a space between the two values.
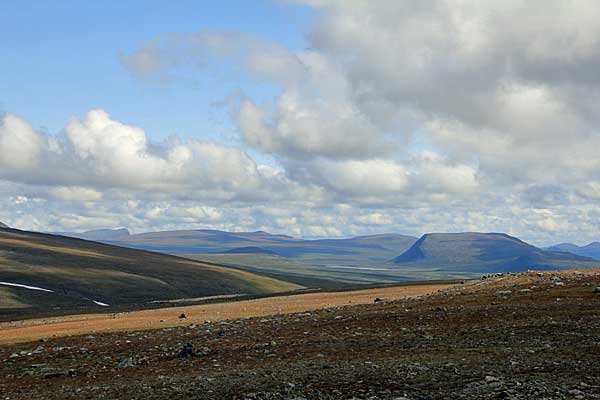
[70, 272]
[591, 250]
[3, 225]
[485, 252]
[96, 235]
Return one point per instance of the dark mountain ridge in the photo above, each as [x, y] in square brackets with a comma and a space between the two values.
[491, 252]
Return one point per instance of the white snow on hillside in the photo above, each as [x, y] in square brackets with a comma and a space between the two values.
[26, 286]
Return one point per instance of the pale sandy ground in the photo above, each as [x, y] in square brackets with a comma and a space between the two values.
[35, 329]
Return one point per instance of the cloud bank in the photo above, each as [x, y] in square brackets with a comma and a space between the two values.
[407, 116]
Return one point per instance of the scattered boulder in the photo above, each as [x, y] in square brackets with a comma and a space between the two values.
[186, 351]
[126, 362]
[61, 374]
[377, 300]
[504, 293]
[182, 316]
[597, 290]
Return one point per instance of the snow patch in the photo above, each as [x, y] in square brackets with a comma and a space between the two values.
[26, 287]
[99, 303]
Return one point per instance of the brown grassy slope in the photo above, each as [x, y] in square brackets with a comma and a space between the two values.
[79, 271]
[21, 331]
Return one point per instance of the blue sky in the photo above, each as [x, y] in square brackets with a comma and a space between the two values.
[61, 60]
[331, 118]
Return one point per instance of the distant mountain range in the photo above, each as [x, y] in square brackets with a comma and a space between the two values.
[47, 271]
[362, 259]
[98, 235]
[485, 252]
[591, 250]
[3, 225]
[361, 249]
[444, 252]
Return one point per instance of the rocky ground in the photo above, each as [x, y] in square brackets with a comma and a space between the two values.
[521, 336]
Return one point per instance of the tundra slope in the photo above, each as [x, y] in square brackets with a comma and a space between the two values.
[76, 273]
[514, 336]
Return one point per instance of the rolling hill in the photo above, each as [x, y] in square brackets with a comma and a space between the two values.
[358, 250]
[43, 271]
[591, 250]
[96, 235]
[485, 253]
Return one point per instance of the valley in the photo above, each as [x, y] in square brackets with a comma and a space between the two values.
[371, 259]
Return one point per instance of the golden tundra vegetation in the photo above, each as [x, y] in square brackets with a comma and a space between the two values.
[78, 273]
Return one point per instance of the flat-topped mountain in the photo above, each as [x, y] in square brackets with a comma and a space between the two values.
[45, 271]
[591, 250]
[486, 252]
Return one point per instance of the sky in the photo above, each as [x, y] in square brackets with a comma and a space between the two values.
[313, 118]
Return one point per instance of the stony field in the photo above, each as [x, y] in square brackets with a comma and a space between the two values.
[516, 336]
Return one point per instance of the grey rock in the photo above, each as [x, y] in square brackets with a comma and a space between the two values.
[126, 363]
[186, 351]
[61, 374]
